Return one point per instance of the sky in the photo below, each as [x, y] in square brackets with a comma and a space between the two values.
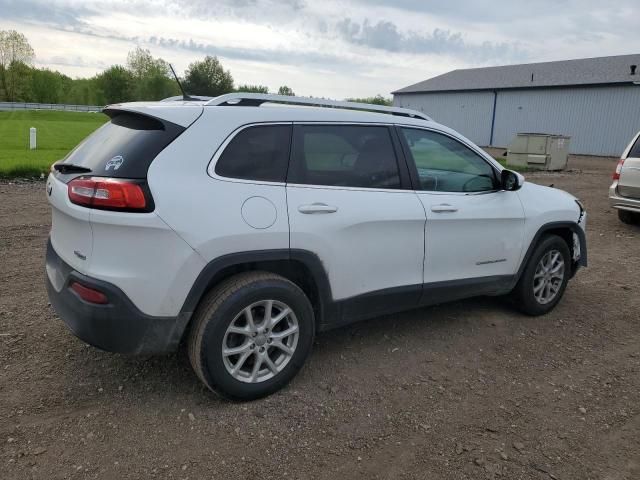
[327, 48]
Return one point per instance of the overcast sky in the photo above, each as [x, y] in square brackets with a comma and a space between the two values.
[324, 48]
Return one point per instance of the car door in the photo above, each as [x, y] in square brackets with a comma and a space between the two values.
[350, 204]
[474, 230]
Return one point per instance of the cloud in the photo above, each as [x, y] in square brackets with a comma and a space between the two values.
[334, 45]
[281, 56]
[51, 13]
[262, 10]
[73, 61]
[385, 35]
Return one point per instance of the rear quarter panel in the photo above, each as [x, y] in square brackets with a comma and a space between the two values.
[146, 259]
[207, 212]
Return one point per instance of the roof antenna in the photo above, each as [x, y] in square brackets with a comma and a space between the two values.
[184, 95]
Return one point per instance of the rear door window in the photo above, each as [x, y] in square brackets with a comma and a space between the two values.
[344, 156]
[125, 146]
[258, 153]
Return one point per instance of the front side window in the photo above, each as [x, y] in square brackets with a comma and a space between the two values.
[258, 153]
[344, 156]
[446, 165]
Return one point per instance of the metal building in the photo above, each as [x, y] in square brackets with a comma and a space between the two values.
[596, 101]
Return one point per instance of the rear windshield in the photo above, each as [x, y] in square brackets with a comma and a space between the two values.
[635, 150]
[125, 146]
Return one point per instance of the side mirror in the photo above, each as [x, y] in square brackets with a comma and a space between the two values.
[510, 180]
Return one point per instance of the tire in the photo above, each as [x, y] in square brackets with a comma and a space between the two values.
[212, 332]
[627, 217]
[533, 302]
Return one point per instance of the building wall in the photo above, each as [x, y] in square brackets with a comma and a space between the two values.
[599, 120]
[466, 112]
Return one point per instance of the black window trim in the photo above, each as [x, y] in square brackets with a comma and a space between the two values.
[211, 166]
[413, 171]
[406, 184]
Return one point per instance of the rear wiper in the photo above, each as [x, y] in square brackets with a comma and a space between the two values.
[70, 168]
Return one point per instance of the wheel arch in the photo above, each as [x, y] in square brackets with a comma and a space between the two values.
[299, 266]
[564, 230]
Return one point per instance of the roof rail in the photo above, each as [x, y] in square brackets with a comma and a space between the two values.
[180, 98]
[257, 99]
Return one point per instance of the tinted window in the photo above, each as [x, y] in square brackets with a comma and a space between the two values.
[345, 156]
[635, 150]
[125, 146]
[257, 153]
[446, 165]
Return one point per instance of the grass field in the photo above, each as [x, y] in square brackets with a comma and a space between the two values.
[58, 132]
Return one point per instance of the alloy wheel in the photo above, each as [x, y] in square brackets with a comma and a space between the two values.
[548, 277]
[260, 341]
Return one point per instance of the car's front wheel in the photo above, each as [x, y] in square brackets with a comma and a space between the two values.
[545, 277]
[251, 335]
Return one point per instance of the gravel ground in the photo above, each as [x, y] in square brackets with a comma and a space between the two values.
[465, 390]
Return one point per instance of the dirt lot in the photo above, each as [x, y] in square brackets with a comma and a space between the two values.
[466, 390]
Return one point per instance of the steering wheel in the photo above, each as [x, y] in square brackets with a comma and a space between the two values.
[468, 186]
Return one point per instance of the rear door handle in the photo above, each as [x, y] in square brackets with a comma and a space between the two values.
[317, 208]
[443, 208]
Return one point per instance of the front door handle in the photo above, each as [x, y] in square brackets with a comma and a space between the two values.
[443, 208]
[317, 208]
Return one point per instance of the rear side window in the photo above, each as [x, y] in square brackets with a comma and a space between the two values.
[344, 156]
[257, 153]
[635, 150]
[125, 146]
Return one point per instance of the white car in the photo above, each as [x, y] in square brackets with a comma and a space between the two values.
[247, 223]
[624, 193]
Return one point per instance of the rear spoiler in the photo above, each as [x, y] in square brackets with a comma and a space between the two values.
[177, 113]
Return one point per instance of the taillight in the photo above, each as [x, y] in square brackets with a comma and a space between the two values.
[616, 174]
[108, 194]
[90, 295]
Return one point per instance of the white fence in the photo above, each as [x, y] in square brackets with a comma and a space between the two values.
[49, 106]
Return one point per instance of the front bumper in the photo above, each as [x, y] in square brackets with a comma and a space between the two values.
[118, 326]
[620, 202]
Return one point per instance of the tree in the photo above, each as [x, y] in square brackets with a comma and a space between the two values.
[284, 90]
[208, 78]
[141, 63]
[377, 100]
[15, 55]
[84, 91]
[116, 83]
[151, 77]
[253, 89]
[47, 86]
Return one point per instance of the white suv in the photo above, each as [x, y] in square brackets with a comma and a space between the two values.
[246, 223]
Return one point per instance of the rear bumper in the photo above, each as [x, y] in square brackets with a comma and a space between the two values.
[118, 326]
[622, 203]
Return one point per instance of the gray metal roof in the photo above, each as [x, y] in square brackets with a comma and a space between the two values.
[584, 71]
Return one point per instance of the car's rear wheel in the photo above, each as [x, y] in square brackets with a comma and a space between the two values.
[251, 335]
[545, 277]
[630, 218]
